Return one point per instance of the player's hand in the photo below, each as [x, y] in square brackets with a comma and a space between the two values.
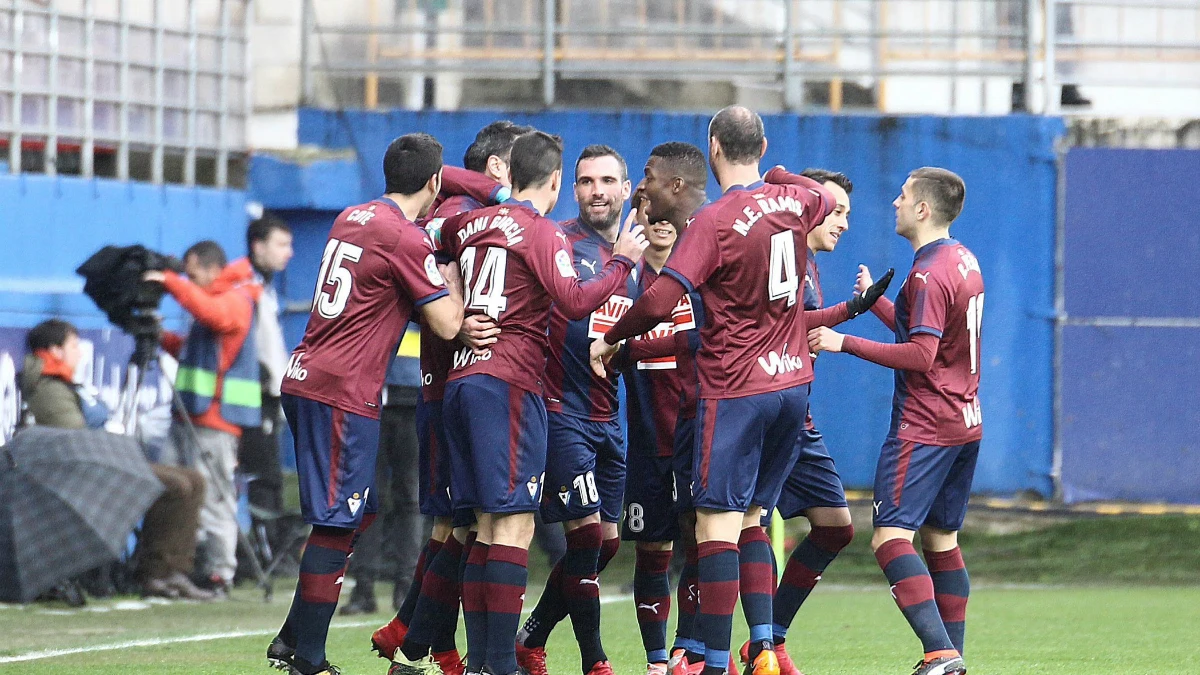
[861, 303]
[632, 240]
[154, 275]
[601, 353]
[479, 333]
[822, 339]
[863, 281]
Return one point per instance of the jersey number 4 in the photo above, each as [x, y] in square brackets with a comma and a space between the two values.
[485, 291]
[334, 270]
[782, 281]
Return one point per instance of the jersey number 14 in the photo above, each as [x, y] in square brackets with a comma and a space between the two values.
[485, 290]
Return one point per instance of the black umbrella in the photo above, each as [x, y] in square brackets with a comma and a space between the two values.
[68, 501]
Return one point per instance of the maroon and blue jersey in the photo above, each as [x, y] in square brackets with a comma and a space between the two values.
[740, 253]
[814, 298]
[515, 263]
[942, 296]
[653, 385]
[572, 387]
[378, 267]
[436, 353]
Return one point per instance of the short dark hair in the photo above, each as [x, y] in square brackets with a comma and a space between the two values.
[49, 333]
[684, 160]
[496, 139]
[208, 253]
[825, 176]
[260, 229]
[535, 156]
[942, 189]
[409, 163]
[598, 150]
[740, 132]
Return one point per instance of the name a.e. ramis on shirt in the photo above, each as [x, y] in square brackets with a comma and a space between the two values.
[766, 205]
[513, 232]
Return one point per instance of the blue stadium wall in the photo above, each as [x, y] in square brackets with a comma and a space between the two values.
[52, 224]
[1008, 164]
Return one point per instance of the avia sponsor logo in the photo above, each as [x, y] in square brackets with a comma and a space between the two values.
[972, 414]
[607, 316]
[780, 363]
[465, 357]
[662, 330]
[294, 370]
[683, 316]
[766, 205]
[509, 227]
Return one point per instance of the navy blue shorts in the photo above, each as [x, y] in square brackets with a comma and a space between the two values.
[745, 448]
[434, 474]
[917, 484]
[585, 469]
[497, 437]
[335, 460]
[813, 482]
[650, 495]
[681, 462]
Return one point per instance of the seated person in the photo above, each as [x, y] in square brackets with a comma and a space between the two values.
[167, 547]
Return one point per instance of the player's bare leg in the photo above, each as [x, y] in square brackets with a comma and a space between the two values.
[913, 590]
[652, 599]
[831, 532]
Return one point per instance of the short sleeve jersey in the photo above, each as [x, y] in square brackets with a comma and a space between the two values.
[572, 387]
[514, 263]
[377, 268]
[435, 352]
[942, 296]
[654, 385]
[814, 298]
[742, 253]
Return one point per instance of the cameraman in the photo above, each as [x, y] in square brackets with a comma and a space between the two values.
[168, 541]
[218, 383]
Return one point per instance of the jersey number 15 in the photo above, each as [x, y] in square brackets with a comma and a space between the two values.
[335, 270]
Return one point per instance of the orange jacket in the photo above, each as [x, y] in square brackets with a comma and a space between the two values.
[226, 310]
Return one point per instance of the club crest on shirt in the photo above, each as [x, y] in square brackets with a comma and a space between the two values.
[431, 271]
[607, 316]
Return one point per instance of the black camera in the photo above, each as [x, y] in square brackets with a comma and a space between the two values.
[113, 280]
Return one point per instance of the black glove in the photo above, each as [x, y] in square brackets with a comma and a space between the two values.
[861, 303]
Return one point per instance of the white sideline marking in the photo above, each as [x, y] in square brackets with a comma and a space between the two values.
[155, 642]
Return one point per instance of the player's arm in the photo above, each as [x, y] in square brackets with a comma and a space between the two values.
[916, 355]
[458, 181]
[818, 201]
[844, 311]
[551, 264]
[444, 315]
[223, 313]
[883, 308]
[640, 350]
[415, 269]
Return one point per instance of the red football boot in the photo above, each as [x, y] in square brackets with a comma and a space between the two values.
[534, 660]
[388, 639]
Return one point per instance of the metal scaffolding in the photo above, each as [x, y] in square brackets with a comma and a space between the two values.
[770, 44]
[131, 89]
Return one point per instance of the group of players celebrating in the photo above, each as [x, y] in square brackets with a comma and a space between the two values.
[714, 313]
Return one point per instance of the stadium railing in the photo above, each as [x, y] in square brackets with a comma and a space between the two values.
[776, 44]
